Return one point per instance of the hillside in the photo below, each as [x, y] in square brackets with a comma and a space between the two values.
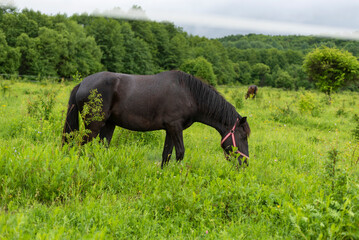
[37, 45]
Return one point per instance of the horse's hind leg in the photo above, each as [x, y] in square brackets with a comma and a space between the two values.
[94, 128]
[167, 150]
[107, 131]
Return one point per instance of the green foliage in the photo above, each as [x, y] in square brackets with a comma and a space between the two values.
[92, 109]
[331, 68]
[91, 112]
[284, 114]
[41, 106]
[200, 68]
[259, 71]
[35, 44]
[138, 58]
[356, 129]
[9, 57]
[284, 80]
[308, 103]
[5, 88]
[238, 99]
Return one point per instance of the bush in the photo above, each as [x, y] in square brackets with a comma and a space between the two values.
[307, 103]
[356, 130]
[284, 80]
[200, 68]
[237, 98]
[42, 105]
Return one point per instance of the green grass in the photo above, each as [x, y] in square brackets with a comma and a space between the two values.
[292, 189]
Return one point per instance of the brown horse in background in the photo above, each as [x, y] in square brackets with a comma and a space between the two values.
[252, 91]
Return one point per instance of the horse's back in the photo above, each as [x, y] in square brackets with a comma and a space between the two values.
[139, 102]
[103, 82]
[252, 88]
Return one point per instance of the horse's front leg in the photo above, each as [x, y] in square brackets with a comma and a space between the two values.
[167, 150]
[179, 146]
[175, 132]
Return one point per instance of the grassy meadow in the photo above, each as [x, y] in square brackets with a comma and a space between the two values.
[301, 183]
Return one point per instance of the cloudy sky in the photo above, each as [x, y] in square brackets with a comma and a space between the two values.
[216, 18]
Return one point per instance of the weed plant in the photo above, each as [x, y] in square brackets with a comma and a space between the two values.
[301, 182]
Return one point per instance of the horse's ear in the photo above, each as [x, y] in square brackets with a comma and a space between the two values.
[243, 120]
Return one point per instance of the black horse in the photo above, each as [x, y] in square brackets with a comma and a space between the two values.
[171, 100]
[252, 91]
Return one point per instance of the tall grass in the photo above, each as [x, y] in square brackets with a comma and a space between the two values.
[301, 183]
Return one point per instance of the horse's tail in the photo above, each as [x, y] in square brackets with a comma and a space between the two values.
[72, 116]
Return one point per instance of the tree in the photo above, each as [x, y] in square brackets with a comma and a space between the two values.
[109, 37]
[178, 51]
[214, 52]
[331, 68]
[161, 43]
[9, 57]
[259, 71]
[137, 57]
[50, 46]
[244, 72]
[29, 54]
[283, 80]
[200, 68]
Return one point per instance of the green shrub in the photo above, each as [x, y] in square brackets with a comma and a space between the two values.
[238, 99]
[284, 114]
[200, 68]
[307, 103]
[356, 129]
[41, 105]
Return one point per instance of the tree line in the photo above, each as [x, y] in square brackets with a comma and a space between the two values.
[33, 43]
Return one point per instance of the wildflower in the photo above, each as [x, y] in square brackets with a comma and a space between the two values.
[207, 232]
[3, 105]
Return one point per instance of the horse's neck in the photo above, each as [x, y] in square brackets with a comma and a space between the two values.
[220, 127]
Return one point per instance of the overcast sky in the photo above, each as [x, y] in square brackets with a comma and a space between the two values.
[216, 18]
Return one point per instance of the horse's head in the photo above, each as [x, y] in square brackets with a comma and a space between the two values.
[237, 137]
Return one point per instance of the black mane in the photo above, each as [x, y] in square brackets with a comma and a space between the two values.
[209, 100]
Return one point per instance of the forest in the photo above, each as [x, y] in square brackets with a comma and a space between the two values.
[36, 45]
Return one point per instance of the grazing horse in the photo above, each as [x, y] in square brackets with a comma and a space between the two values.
[171, 100]
[252, 90]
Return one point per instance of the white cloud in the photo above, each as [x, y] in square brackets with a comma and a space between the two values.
[329, 17]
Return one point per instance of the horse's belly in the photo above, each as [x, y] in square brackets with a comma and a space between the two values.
[137, 123]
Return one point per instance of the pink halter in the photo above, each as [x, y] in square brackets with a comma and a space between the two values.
[231, 133]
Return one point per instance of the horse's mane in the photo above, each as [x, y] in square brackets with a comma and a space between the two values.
[209, 100]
